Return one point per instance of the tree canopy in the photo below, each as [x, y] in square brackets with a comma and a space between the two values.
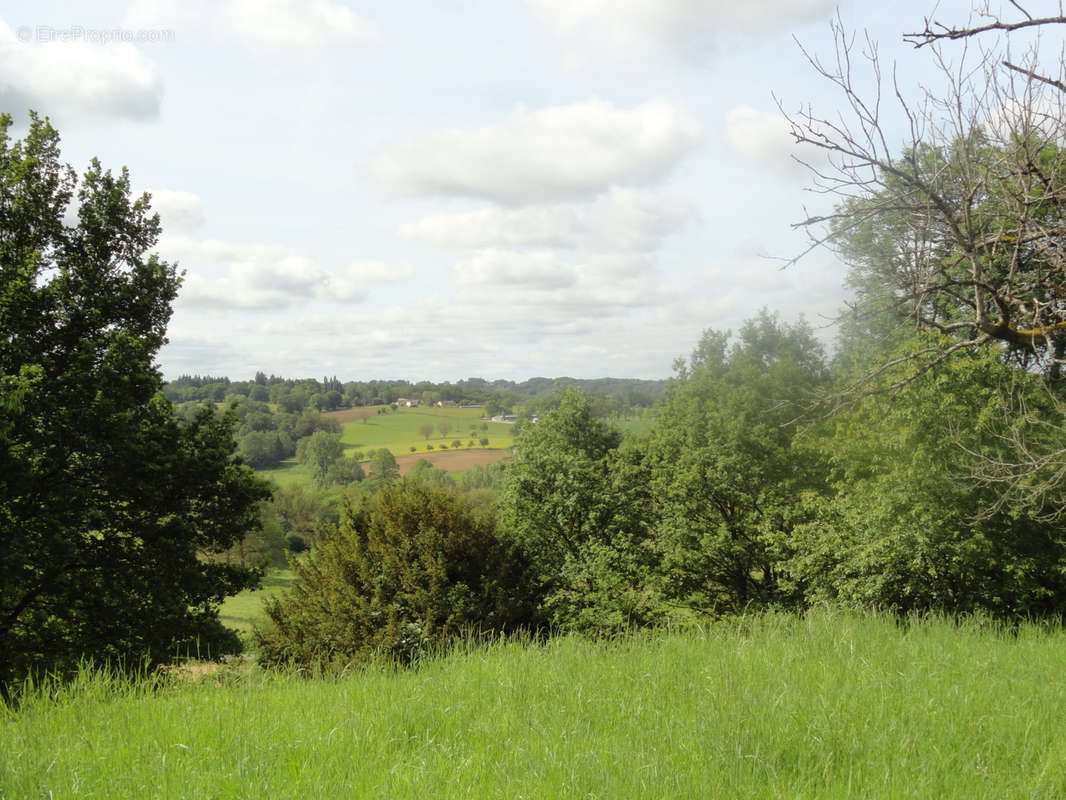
[110, 506]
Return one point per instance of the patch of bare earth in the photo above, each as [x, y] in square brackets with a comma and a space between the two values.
[452, 460]
[350, 414]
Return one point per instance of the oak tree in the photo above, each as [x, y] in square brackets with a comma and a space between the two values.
[110, 505]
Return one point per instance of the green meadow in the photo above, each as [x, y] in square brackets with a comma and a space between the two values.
[828, 706]
[243, 611]
[398, 432]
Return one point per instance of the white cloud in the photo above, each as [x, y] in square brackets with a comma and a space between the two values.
[374, 271]
[264, 278]
[764, 139]
[620, 219]
[537, 270]
[551, 154]
[687, 27]
[292, 23]
[268, 276]
[628, 220]
[178, 211]
[544, 288]
[72, 77]
[275, 24]
[350, 283]
[543, 226]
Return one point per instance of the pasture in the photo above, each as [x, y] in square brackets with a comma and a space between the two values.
[243, 611]
[399, 430]
[364, 429]
[827, 706]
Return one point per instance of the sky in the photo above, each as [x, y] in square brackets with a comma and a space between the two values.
[458, 188]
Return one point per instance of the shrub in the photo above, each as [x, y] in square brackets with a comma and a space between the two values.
[412, 567]
[296, 543]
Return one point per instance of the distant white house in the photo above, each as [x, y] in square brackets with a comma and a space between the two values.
[509, 418]
[406, 402]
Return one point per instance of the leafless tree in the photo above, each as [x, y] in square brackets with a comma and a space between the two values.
[950, 209]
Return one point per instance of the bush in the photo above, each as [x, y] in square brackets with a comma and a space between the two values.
[296, 543]
[345, 471]
[413, 567]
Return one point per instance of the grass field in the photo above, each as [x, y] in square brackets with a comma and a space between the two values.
[831, 706]
[244, 610]
[398, 430]
[364, 429]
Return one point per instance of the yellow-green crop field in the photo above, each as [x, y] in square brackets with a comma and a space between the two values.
[399, 430]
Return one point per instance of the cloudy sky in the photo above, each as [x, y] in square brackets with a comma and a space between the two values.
[455, 188]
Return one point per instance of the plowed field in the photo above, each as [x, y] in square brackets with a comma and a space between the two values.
[452, 460]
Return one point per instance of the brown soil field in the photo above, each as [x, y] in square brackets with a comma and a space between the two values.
[452, 460]
[350, 414]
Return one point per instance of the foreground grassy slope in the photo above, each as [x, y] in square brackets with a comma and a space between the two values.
[832, 706]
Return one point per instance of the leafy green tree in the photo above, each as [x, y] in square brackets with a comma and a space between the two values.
[444, 428]
[426, 429]
[483, 476]
[411, 568]
[959, 231]
[257, 451]
[108, 501]
[305, 513]
[726, 477]
[320, 451]
[424, 472]
[577, 505]
[345, 471]
[904, 525]
[302, 425]
[382, 465]
[294, 402]
[498, 403]
[264, 547]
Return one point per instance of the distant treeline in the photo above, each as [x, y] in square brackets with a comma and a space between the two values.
[611, 396]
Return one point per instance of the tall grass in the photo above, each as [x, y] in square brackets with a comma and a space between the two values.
[827, 706]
